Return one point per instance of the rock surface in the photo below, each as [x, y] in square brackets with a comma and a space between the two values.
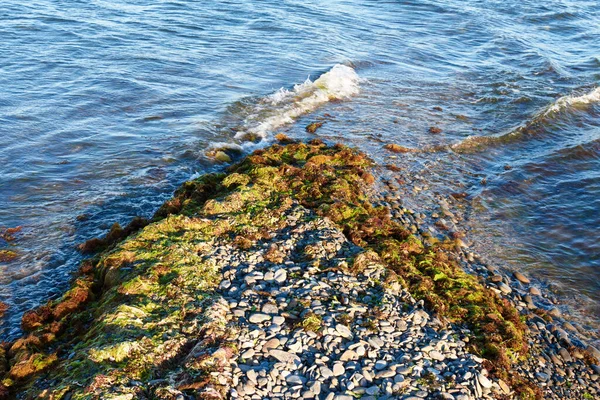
[238, 290]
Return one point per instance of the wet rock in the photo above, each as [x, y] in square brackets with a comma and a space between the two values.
[535, 291]
[521, 278]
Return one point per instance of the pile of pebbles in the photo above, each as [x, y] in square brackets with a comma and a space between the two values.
[559, 347]
[307, 328]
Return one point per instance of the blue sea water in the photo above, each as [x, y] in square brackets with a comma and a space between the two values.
[106, 106]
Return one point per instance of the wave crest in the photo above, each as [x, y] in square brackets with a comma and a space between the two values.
[563, 110]
[569, 101]
[284, 106]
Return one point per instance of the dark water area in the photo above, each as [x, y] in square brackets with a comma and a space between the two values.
[106, 106]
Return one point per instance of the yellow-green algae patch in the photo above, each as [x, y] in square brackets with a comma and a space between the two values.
[140, 311]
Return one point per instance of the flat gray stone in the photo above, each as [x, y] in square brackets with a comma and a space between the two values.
[270, 308]
[295, 380]
[284, 356]
[542, 376]
[388, 373]
[373, 390]
[280, 275]
[484, 381]
[326, 372]
[257, 318]
[380, 364]
[344, 331]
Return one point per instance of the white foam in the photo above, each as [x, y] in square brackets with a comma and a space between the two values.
[284, 106]
[574, 101]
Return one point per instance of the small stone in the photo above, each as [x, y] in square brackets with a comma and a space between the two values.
[349, 355]
[375, 342]
[504, 386]
[344, 331]
[269, 276]
[542, 376]
[361, 351]
[404, 370]
[593, 351]
[555, 312]
[316, 388]
[251, 375]
[484, 381]
[280, 275]
[504, 288]
[436, 355]
[284, 356]
[565, 354]
[388, 373]
[295, 380]
[270, 308]
[295, 347]
[380, 364]
[221, 156]
[257, 318]
[225, 284]
[271, 344]
[326, 372]
[248, 354]
[338, 369]
[535, 291]
[521, 278]
[373, 390]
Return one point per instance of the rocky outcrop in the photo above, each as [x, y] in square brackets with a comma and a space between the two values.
[282, 278]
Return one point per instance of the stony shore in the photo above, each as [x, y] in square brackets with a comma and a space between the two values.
[292, 276]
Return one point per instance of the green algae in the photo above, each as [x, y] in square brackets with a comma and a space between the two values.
[8, 255]
[311, 322]
[139, 307]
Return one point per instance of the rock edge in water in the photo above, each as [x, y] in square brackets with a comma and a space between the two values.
[280, 278]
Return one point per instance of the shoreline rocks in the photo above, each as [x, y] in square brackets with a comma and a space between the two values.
[266, 282]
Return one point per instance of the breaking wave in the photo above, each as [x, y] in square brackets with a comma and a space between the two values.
[282, 107]
[560, 112]
[567, 102]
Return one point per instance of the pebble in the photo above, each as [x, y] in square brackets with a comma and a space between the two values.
[351, 352]
[436, 355]
[284, 356]
[484, 381]
[542, 376]
[344, 331]
[280, 275]
[338, 369]
[257, 318]
[521, 278]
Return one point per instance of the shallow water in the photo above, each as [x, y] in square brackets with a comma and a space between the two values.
[106, 106]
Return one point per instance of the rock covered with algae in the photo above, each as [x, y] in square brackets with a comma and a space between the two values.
[146, 317]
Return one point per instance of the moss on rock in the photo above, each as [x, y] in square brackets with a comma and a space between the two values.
[140, 310]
